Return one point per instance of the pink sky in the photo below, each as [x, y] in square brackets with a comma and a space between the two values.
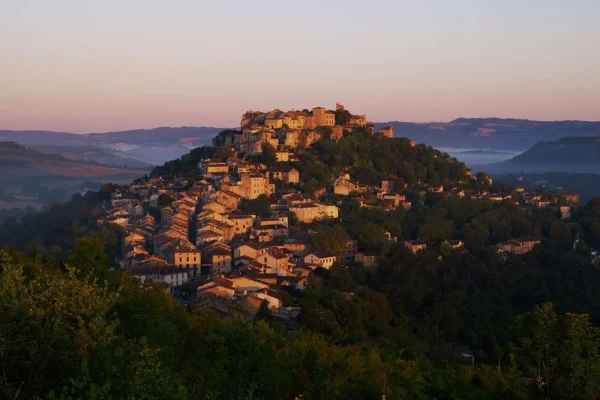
[102, 66]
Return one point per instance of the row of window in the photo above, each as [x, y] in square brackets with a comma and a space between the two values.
[187, 259]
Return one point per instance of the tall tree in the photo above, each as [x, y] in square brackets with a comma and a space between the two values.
[269, 157]
[563, 349]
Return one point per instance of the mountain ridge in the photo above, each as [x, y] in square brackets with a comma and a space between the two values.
[576, 154]
[492, 133]
[152, 146]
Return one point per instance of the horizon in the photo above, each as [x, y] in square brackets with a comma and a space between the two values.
[100, 67]
[236, 127]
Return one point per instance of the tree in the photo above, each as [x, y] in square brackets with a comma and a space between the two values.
[164, 200]
[224, 152]
[60, 340]
[332, 239]
[373, 236]
[436, 230]
[563, 349]
[311, 186]
[269, 157]
[263, 313]
[258, 206]
[89, 257]
[342, 117]
[325, 134]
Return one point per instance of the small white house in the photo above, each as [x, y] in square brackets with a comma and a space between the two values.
[320, 259]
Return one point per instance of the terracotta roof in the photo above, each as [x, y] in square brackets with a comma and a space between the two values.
[223, 282]
[219, 252]
[323, 254]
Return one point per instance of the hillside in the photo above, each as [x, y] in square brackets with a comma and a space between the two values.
[154, 146]
[491, 133]
[96, 155]
[382, 320]
[570, 154]
[566, 151]
[19, 164]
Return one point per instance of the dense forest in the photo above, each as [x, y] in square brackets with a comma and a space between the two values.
[72, 327]
[71, 332]
[369, 158]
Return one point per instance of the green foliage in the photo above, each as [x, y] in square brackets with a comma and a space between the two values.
[324, 132]
[368, 158]
[186, 163]
[90, 258]
[258, 206]
[263, 313]
[330, 238]
[64, 337]
[269, 158]
[589, 219]
[564, 350]
[54, 232]
[67, 337]
[436, 229]
[311, 186]
[164, 200]
[224, 136]
[342, 117]
[224, 152]
[372, 236]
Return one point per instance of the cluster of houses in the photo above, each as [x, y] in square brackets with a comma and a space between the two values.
[385, 196]
[182, 235]
[195, 234]
[560, 202]
[156, 243]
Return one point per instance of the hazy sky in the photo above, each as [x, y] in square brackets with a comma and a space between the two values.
[91, 66]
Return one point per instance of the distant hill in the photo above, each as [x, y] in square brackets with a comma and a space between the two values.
[571, 154]
[20, 165]
[191, 136]
[97, 155]
[158, 145]
[153, 146]
[586, 184]
[491, 133]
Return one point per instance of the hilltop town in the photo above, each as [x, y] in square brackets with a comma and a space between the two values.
[286, 131]
[245, 224]
[341, 249]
